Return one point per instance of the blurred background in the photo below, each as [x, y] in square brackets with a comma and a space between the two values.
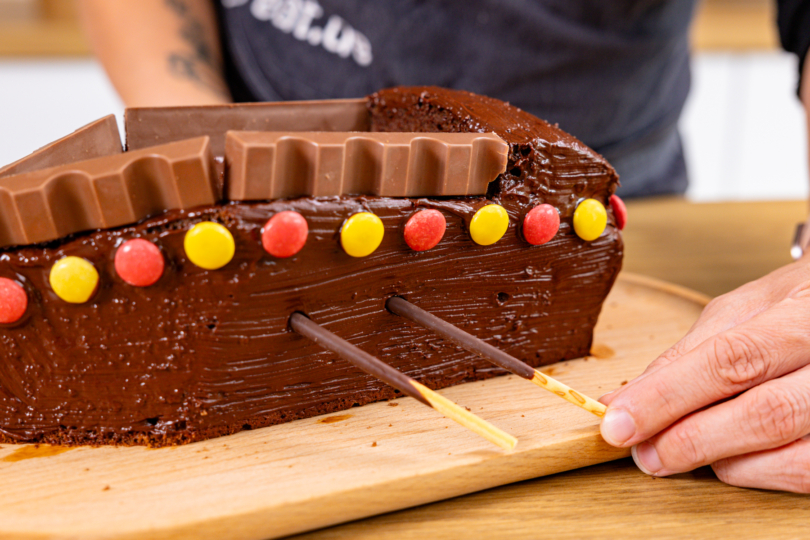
[744, 127]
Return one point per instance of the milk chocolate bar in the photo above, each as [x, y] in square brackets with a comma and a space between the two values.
[97, 139]
[149, 126]
[105, 192]
[274, 165]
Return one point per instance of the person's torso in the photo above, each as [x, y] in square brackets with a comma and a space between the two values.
[613, 73]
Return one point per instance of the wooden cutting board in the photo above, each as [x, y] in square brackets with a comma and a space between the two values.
[365, 461]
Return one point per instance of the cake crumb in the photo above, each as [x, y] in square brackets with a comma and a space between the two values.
[392, 404]
[106, 488]
[374, 444]
[624, 382]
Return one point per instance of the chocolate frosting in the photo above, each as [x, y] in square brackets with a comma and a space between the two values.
[205, 353]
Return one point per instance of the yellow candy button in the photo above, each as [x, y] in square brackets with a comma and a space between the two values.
[73, 279]
[489, 224]
[209, 245]
[590, 219]
[361, 234]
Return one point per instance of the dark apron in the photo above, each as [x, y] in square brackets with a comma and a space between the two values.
[614, 73]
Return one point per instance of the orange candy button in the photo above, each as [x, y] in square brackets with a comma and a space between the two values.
[285, 234]
[139, 262]
[13, 301]
[424, 230]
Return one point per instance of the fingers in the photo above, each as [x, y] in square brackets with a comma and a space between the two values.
[769, 416]
[764, 347]
[729, 310]
[721, 314]
[686, 344]
[785, 469]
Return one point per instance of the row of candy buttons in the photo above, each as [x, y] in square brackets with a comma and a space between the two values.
[140, 263]
[211, 245]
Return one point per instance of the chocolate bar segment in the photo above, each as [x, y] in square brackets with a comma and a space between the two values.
[97, 139]
[149, 126]
[105, 192]
[275, 165]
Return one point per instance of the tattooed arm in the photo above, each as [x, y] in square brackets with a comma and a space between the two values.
[158, 52]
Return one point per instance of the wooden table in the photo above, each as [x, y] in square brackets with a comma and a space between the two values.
[712, 248]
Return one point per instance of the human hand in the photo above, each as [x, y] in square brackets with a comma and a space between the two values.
[734, 393]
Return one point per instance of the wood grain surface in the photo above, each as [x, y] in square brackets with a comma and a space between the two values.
[611, 501]
[322, 471]
[710, 247]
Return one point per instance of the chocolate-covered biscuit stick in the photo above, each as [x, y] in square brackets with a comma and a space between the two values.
[373, 366]
[403, 308]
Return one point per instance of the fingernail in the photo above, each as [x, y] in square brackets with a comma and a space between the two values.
[618, 427]
[606, 394]
[646, 457]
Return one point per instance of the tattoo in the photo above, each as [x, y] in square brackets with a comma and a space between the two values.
[201, 64]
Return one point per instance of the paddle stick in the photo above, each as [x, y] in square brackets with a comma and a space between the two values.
[376, 367]
[403, 308]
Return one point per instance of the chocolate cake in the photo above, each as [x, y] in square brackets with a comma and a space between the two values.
[168, 341]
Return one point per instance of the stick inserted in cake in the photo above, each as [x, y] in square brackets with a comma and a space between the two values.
[403, 308]
[373, 366]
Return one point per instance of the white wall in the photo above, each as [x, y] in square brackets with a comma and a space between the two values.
[43, 100]
[744, 128]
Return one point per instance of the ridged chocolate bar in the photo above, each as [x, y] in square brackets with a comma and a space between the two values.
[274, 165]
[149, 126]
[105, 192]
[97, 139]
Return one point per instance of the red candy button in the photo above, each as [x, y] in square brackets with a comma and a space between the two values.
[285, 234]
[619, 211]
[541, 224]
[13, 301]
[139, 263]
[424, 230]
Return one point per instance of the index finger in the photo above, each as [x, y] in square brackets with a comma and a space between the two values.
[726, 312]
[768, 345]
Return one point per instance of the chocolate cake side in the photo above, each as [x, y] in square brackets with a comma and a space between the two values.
[204, 353]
